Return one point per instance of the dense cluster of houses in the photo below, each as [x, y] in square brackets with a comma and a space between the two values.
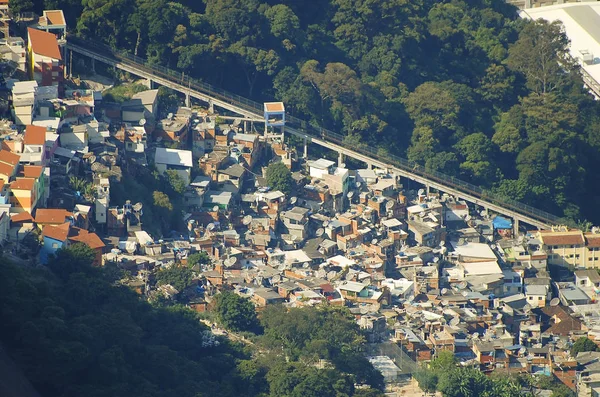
[424, 271]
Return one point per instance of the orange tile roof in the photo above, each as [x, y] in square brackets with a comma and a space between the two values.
[563, 238]
[32, 171]
[274, 106]
[6, 169]
[59, 233]
[56, 17]
[44, 43]
[52, 215]
[22, 184]
[9, 158]
[22, 217]
[593, 240]
[83, 236]
[34, 135]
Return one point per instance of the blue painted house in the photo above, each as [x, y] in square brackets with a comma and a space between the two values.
[54, 238]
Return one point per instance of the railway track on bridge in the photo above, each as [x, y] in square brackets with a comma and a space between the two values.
[313, 133]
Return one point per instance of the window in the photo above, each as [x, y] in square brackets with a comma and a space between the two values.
[530, 298]
[576, 256]
[54, 245]
[539, 298]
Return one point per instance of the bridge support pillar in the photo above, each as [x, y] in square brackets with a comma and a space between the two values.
[369, 166]
[341, 159]
[305, 147]
[149, 83]
[93, 65]
[70, 75]
[427, 188]
[516, 227]
[188, 102]
[211, 107]
[245, 126]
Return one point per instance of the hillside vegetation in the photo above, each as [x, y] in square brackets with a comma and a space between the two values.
[463, 87]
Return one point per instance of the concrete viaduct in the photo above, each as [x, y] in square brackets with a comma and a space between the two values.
[253, 111]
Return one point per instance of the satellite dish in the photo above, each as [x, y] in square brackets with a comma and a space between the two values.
[293, 200]
[468, 218]
[436, 259]
[142, 122]
[92, 159]
[421, 192]
[455, 321]
[444, 291]
[320, 232]
[555, 302]
[247, 220]
[483, 213]
[216, 208]
[475, 335]
[374, 241]
[350, 194]
[442, 243]
[210, 226]
[230, 261]
[138, 206]
[527, 308]
[389, 205]
[326, 223]
[445, 302]
[96, 167]
[358, 185]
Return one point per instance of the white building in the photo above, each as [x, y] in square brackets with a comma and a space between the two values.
[174, 159]
[24, 101]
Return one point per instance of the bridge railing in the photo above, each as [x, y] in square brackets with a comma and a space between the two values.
[314, 130]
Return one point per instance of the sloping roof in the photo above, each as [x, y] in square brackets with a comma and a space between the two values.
[22, 217]
[592, 274]
[83, 236]
[55, 17]
[235, 170]
[44, 43]
[9, 158]
[34, 135]
[51, 215]
[59, 233]
[593, 240]
[23, 184]
[146, 97]
[562, 238]
[274, 107]
[6, 169]
[32, 171]
[173, 157]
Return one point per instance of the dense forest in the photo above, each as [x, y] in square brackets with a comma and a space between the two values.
[74, 331]
[460, 86]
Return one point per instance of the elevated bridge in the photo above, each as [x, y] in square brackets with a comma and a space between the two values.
[311, 133]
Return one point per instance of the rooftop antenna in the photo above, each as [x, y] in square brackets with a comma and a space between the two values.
[389, 205]
[555, 302]
[320, 232]
[247, 220]
[293, 200]
[216, 208]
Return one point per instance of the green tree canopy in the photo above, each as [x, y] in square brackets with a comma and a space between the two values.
[584, 345]
[235, 313]
[279, 177]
